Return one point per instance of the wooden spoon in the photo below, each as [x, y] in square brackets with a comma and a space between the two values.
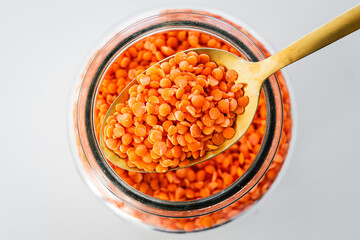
[252, 75]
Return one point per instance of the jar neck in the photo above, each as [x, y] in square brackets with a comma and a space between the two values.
[116, 46]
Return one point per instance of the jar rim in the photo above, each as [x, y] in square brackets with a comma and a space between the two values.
[147, 203]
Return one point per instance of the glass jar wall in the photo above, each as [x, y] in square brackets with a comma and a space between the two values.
[195, 198]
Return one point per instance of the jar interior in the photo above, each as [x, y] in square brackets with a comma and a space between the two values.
[245, 180]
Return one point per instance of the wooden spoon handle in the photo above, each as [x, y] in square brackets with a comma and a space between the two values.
[332, 31]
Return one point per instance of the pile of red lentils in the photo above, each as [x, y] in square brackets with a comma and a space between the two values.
[178, 110]
[207, 178]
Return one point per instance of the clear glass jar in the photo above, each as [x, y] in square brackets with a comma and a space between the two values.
[201, 213]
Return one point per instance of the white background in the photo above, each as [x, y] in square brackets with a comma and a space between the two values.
[42, 196]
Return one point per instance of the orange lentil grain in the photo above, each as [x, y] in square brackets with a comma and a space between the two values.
[231, 75]
[165, 83]
[217, 74]
[180, 81]
[218, 138]
[189, 193]
[155, 136]
[164, 109]
[151, 120]
[197, 101]
[140, 130]
[195, 130]
[192, 60]
[243, 101]
[224, 106]
[204, 58]
[214, 113]
[126, 139]
[159, 148]
[229, 132]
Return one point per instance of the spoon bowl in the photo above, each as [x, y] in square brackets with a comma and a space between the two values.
[252, 89]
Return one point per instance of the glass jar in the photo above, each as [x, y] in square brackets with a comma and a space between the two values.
[124, 198]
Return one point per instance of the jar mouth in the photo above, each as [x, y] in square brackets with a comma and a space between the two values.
[113, 48]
